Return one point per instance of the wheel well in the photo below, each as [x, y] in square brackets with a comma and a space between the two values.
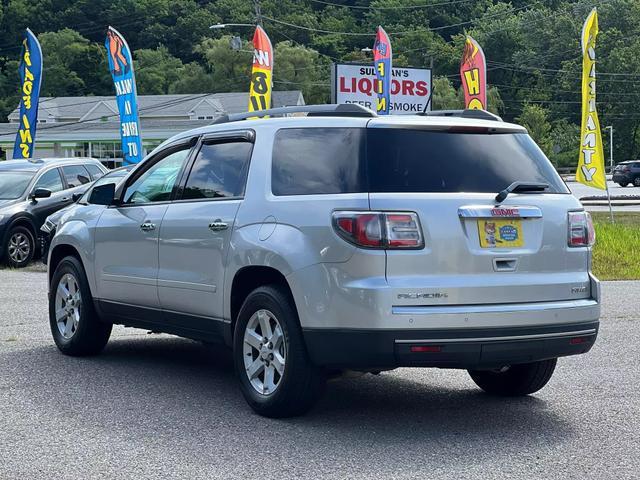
[25, 222]
[248, 279]
[58, 254]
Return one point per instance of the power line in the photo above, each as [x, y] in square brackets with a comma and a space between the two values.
[360, 34]
[399, 7]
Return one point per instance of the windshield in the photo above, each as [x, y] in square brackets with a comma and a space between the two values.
[13, 184]
[427, 161]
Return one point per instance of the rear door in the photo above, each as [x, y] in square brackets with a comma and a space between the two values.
[476, 252]
[197, 227]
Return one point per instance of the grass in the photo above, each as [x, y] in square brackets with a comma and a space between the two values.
[616, 254]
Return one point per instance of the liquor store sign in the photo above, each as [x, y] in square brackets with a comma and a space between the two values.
[355, 83]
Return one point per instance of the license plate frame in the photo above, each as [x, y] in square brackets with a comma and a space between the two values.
[500, 233]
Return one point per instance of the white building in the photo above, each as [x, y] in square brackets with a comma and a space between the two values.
[89, 126]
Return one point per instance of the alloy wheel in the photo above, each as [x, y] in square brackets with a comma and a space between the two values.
[264, 352]
[68, 305]
[19, 247]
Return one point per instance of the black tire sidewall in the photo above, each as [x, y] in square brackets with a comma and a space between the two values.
[32, 246]
[298, 369]
[89, 338]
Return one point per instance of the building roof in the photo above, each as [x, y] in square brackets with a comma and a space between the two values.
[65, 109]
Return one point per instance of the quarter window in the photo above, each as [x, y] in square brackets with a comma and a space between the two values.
[156, 184]
[94, 170]
[219, 171]
[51, 181]
[76, 175]
[310, 161]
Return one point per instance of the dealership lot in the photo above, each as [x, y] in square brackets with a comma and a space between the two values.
[156, 406]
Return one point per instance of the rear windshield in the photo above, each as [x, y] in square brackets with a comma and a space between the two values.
[428, 161]
[347, 160]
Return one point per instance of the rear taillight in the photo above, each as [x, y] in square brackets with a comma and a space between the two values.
[581, 231]
[390, 230]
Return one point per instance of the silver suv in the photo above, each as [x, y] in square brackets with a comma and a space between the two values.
[340, 240]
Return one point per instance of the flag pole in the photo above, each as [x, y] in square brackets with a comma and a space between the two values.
[609, 199]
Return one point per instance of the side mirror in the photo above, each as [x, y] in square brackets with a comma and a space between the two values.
[103, 194]
[76, 196]
[40, 193]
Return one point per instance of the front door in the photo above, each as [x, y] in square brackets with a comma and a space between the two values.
[126, 256]
[60, 198]
[196, 231]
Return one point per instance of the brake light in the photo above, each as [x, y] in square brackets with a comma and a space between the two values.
[390, 230]
[581, 231]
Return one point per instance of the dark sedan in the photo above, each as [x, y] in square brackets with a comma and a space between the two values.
[30, 191]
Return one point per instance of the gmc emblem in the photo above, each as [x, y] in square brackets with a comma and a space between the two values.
[505, 212]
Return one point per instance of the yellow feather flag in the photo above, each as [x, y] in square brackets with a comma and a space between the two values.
[591, 160]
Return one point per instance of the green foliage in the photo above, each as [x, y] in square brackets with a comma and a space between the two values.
[535, 119]
[532, 49]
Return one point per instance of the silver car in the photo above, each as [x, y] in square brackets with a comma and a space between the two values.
[338, 241]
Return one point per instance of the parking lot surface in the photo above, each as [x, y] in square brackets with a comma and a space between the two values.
[157, 406]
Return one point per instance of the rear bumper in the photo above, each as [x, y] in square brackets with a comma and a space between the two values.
[452, 348]
[621, 178]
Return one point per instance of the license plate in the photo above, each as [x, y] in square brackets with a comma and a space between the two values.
[500, 233]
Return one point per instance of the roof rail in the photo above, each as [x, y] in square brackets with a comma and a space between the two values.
[467, 113]
[331, 110]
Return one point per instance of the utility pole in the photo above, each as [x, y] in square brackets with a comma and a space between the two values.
[256, 4]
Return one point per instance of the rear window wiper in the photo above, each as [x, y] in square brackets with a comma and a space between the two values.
[521, 187]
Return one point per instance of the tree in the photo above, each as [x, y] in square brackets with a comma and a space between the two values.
[444, 95]
[156, 70]
[534, 119]
[301, 68]
[72, 65]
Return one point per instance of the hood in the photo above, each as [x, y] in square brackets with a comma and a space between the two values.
[7, 203]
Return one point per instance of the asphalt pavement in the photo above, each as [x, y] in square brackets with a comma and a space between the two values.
[157, 406]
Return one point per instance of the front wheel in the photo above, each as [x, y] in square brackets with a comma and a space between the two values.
[20, 247]
[75, 326]
[276, 376]
[515, 380]
[636, 182]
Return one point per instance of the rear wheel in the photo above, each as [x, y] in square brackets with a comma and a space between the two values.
[515, 380]
[276, 377]
[75, 326]
[20, 247]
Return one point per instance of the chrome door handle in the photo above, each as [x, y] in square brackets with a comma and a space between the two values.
[218, 225]
[147, 227]
[65, 199]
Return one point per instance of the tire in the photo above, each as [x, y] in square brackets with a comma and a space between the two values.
[293, 388]
[624, 184]
[77, 330]
[517, 380]
[19, 247]
[636, 182]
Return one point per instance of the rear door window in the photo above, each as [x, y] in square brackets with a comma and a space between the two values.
[219, 171]
[308, 161]
[402, 160]
[76, 175]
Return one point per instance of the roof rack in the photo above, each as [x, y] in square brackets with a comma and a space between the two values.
[467, 113]
[331, 110]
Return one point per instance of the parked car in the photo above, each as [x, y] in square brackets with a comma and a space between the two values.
[626, 173]
[48, 228]
[30, 191]
[340, 240]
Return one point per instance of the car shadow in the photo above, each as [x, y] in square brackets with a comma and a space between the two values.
[147, 384]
